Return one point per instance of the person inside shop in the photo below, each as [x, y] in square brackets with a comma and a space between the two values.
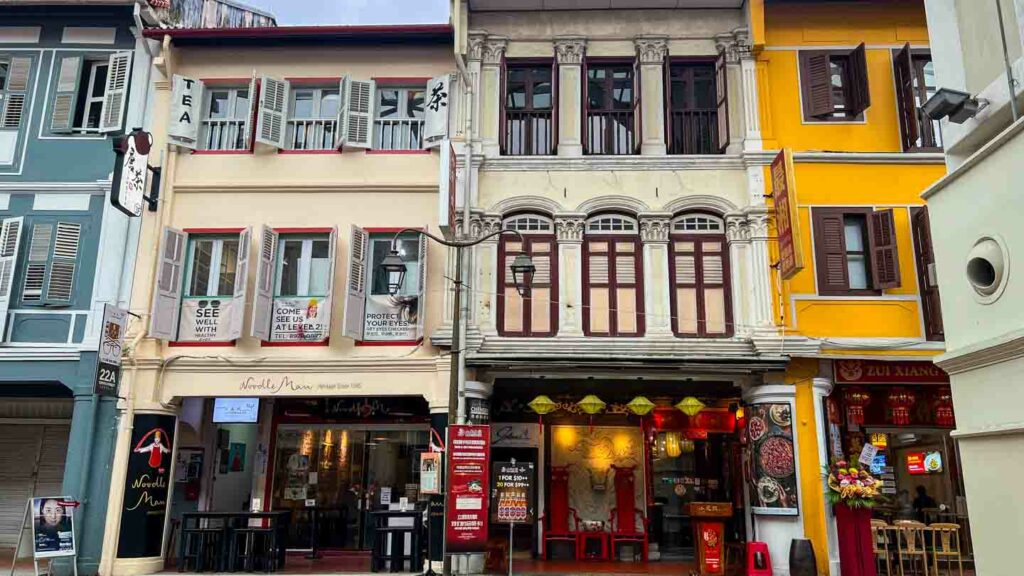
[923, 502]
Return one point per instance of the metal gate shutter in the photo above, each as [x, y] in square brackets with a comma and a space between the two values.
[31, 463]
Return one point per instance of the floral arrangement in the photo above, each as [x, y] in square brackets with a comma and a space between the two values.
[853, 486]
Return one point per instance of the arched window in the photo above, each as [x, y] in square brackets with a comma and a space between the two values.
[701, 302]
[613, 277]
[535, 313]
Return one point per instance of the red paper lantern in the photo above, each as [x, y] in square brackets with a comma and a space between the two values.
[900, 402]
[944, 408]
[856, 399]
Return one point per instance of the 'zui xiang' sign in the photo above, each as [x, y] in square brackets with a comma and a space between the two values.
[144, 510]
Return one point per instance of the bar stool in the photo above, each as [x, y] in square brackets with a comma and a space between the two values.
[258, 545]
[946, 546]
[911, 547]
[202, 546]
[881, 545]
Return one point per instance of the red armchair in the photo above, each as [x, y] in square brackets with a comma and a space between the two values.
[623, 519]
[560, 522]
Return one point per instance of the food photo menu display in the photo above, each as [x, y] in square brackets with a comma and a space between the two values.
[773, 465]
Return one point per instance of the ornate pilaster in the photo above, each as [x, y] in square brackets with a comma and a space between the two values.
[735, 44]
[655, 229]
[569, 228]
[654, 232]
[492, 51]
[651, 49]
[569, 53]
[569, 231]
[475, 50]
[651, 52]
[483, 224]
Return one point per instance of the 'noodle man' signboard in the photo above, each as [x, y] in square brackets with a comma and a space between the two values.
[146, 486]
[787, 218]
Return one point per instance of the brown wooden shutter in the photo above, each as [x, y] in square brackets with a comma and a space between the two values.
[858, 93]
[722, 101]
[667, 73]
[906, 104]
[554, 106]
[885, 263]
[926, 274]
[584, 105]
[817, 88]
[503, 89]
[830, 251]
[638, 110]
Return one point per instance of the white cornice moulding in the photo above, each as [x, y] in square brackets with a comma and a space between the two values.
[284, 187]
[97, 187]
[1005, 429]
[38, 354]
[985, 353]
[765, 157]
[234, 363]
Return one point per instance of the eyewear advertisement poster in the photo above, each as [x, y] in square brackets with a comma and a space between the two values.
[301, 319]
[144, 509]
[393, 318]
[205, 319]
[512, 493]
[430, 473]
[469, 451]
[53, 527]
[773, 482]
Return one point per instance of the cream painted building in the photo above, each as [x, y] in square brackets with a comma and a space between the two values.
[267, 346]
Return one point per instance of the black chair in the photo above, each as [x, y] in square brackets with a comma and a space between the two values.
[253, 547]
[389, 542]
[202, 546]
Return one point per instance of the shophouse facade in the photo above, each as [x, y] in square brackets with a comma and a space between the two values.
[274, 365]
[975, 209]
[72, 77]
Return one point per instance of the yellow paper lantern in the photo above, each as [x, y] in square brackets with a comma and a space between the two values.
[687, 445]
[542, 405]
[690, 406]
[591, 404]
[672, 447]
[640, 406]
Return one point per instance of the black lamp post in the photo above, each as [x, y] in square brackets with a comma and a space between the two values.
[523, 271]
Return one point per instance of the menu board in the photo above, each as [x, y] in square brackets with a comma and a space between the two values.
[774, 485]
[512, 494]
[469, 451]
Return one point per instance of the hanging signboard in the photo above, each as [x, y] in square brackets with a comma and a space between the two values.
[774, 487]
[787, 223]
[300, 319]
[430, 473]
[53, 527]
[186, 98]
[469, 451]
[131, 168]
[108, 362]
[144, 509]
[447, 190]
[206, 319]
[437, 108]
[512, 499]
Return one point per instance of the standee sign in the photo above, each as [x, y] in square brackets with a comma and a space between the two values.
[469, 451]
[791, 258]
[144, 509]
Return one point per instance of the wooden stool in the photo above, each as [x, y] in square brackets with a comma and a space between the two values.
[881, 545]
[946, 546]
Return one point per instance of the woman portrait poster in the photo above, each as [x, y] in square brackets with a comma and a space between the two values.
[53, 532]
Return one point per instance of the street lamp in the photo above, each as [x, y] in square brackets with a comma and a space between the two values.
[523, 271]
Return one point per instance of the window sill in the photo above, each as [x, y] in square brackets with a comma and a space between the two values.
[424, 152]
[395, 343]
[268, 344]
[861, 293]
[219, 152]
[312, 152]
[230, 344]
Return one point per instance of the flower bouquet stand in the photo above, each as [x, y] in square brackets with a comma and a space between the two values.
[853, 493]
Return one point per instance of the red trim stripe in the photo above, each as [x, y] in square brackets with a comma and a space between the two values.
[303, 230]
[401, 81]
[213, 230]
[286, 31]
[230, 344]
[400, 152]
[309, 152]
[395, 343]
[267, 344]
[221, 152]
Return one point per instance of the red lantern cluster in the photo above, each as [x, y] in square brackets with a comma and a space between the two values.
[944, 408]
[901, 401]
[856, 399]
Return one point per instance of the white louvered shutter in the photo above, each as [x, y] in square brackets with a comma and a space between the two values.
[263, 301]
[436, 108]
[360, 104]
[62, 117]
[115, 98]
[329, 297]
[270, 127]
[17, 89]
[237, 320]
[355, 298]
[163, 322]
[421, 301]
[341, 135]
[60, 285]
[10, 239]
[250, 119]
[37, 263]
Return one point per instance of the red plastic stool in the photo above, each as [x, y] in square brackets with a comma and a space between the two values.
[759, 561]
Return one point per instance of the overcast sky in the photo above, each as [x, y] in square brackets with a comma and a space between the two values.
[322, 12]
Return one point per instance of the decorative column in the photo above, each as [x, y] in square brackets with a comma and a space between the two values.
[474, 60]
[737, 234]
[485, 283]
[762, 278]
[735, 45]
[654, 229]
[821, 388]
[570, 51]
[652, 51]
[569, 230]
[492, 54]
[751, 99]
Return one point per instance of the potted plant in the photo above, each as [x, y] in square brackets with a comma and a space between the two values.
[853, 491]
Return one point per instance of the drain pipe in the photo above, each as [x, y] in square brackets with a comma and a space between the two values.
[466, 212]
[1012, 84]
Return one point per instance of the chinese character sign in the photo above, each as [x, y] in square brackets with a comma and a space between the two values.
[130, 171]
[469, 450]
[791, 258]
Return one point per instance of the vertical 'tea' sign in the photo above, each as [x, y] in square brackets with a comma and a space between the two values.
[186, 100]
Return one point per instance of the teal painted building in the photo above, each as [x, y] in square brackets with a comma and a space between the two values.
[72, 77]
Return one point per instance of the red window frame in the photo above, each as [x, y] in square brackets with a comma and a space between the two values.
[613, 284]
[699, 285]
[529, 241]
[231, 83]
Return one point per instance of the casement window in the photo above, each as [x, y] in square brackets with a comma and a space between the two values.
[529, 113]
[613, 277]
[10, 242]
[612, 115]
[226, 119]
[698, 109]
[14, 75]
[927, 278]
[701, 303]
[834, 85]
[201, 286]
[313, 118]
[294, 285]
[536, 312]
[372, 313]
[915, 84]
[51, 263]
[400, 118]
[855, 251]
[90, 94]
